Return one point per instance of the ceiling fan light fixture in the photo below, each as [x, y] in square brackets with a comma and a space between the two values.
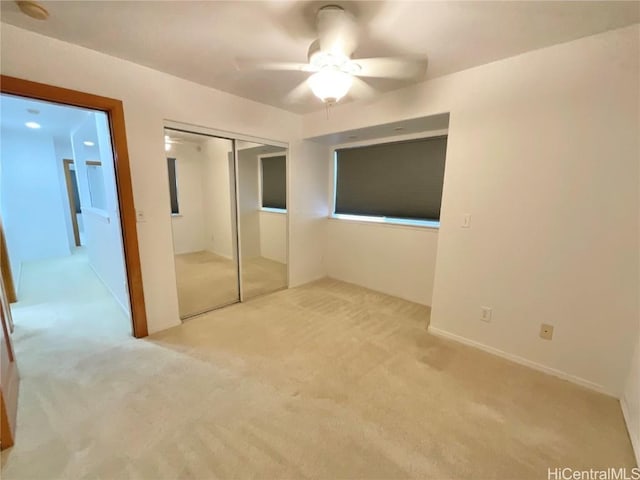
[330, 84]
[33, 9]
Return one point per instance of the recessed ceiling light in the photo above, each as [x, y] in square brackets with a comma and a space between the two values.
[88, 143]
[33, 111]
[32, 125]
[33, 9]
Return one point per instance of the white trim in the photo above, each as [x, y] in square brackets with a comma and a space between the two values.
[387, 221]
[392, 139]
[278, 211]
[521, 360]
[97, 212]
[635, 440]
[124, 308]
[212, 132]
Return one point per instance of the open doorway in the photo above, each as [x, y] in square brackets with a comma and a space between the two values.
[87, 216]
[60, 213]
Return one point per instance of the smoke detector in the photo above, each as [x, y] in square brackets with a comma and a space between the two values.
[33, 9]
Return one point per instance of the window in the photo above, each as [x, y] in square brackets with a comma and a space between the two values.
[95, 179]
[173, 186]
[400, 180]
[274, 181]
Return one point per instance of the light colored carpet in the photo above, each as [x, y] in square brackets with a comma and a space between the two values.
[261, 276]
[206, 281]
[328, 380]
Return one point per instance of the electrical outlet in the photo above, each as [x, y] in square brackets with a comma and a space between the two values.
[140, 216]
[485, 314]
[546, 331]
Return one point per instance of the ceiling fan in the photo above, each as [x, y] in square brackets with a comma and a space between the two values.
[333, 72]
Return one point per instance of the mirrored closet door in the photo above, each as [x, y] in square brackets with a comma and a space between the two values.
[201, 172]
[262, 207]
[228, 207]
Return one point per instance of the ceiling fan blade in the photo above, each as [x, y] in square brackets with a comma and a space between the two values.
[300, 93]
[283, 66]
[361, 89]
[337, 31]
[392, 67]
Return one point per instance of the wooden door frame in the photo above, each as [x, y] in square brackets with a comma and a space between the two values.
[66, 164]
[9, 377]
[5, 269]
[115, 112]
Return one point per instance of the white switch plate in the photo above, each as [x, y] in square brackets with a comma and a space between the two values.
[466, 220]
[140, 216]
[485, 314]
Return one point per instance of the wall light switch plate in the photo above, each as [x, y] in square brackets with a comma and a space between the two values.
[546, 331]
[140, 218]
[485, 314]
[466, 220]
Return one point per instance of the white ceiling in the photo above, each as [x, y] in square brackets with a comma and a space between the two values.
[201, 40]
[55, 120]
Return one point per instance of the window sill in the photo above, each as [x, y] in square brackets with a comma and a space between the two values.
[273, 210]
[98, 213]
[387, 221]
[176, 214]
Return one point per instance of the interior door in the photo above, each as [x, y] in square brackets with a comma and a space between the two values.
[8, 377]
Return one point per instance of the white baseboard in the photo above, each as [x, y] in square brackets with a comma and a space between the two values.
[634, 436]
[125, 309]
[522, 361]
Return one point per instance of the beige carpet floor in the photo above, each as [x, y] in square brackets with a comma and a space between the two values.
[328, 381]
[206, 281]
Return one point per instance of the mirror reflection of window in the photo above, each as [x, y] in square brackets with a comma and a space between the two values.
[262, 197]
[95, 179]
[274, 181]
[173, 186]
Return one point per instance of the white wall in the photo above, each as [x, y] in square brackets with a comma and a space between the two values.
[249, 202]
[33, 212]
[542, 151]
[103, 235]
[308, 208]
[149, 98]
[218, 194]
[189, 227]
[63, 151]
[631, 402]
[273, 236]
[395, 259]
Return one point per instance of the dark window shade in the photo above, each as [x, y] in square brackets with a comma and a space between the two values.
[401, 180]
[274, 182]
[173, 185]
